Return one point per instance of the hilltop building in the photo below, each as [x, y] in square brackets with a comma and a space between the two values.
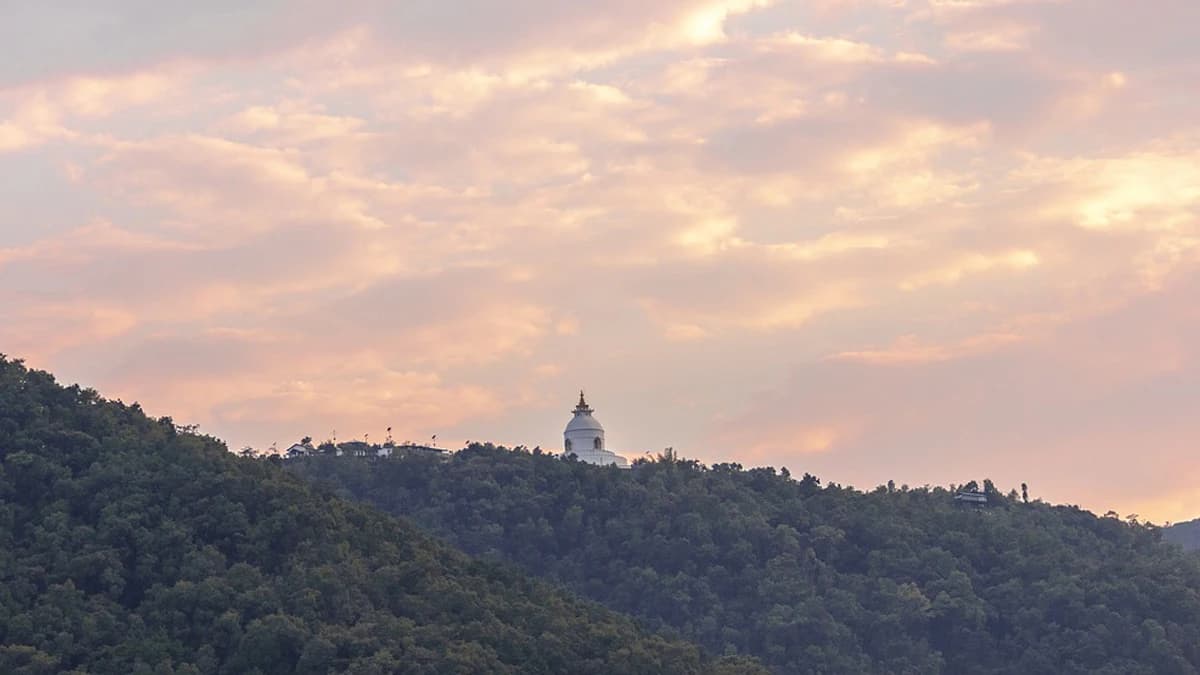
[299, 450]
[971, 497]
[584, 438]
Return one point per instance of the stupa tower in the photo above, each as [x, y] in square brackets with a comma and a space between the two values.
[584, 438]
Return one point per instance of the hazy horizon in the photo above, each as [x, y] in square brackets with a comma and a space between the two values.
[920, 240]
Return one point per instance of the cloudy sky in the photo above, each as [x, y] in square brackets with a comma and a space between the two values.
[920, 240]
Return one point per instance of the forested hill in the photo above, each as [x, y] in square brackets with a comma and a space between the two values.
[127, 546]
[812, 578]
[1186, 535]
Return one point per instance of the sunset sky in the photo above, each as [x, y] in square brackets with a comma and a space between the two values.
[920, 240]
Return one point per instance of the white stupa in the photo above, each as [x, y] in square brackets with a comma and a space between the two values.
[584, 438]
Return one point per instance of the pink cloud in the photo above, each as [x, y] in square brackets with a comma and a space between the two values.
[915, 240]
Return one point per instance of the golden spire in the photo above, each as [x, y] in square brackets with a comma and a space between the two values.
[582, 407]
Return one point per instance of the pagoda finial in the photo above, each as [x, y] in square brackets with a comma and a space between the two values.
[582, 407]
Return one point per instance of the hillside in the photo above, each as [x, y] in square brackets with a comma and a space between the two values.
[813, 578]
[130, 546]
[1186, 535]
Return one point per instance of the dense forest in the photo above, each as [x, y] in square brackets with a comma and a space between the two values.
[128, 545]
[1186, 535]
[812, 578]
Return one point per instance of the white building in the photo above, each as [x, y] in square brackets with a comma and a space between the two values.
[299, 450]
[584, 438]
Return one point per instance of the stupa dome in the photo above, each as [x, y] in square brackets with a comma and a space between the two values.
[584, 438]
[583, 419]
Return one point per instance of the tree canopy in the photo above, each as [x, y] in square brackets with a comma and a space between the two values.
[1186, 535]
[812, 578]
[130, 546]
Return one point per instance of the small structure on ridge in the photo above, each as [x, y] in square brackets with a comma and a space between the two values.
[971, 497]
[584, 438]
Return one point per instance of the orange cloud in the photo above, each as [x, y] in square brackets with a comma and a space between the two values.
[909, 350]
[881, 238]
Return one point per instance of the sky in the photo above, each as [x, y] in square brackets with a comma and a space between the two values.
[926, 241]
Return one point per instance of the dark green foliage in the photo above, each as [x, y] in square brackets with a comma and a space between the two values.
[1186, 534]
[127, 546]
[813, 579]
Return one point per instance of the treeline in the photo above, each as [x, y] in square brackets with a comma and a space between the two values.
[127, 546]
[1186, 535]
[812, 578]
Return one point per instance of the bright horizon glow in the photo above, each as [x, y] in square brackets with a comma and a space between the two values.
[872, 240]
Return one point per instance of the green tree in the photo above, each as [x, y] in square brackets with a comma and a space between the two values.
[810, 579]
[133, 545]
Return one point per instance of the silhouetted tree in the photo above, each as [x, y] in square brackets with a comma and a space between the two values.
[127, 547]
[810, 579]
